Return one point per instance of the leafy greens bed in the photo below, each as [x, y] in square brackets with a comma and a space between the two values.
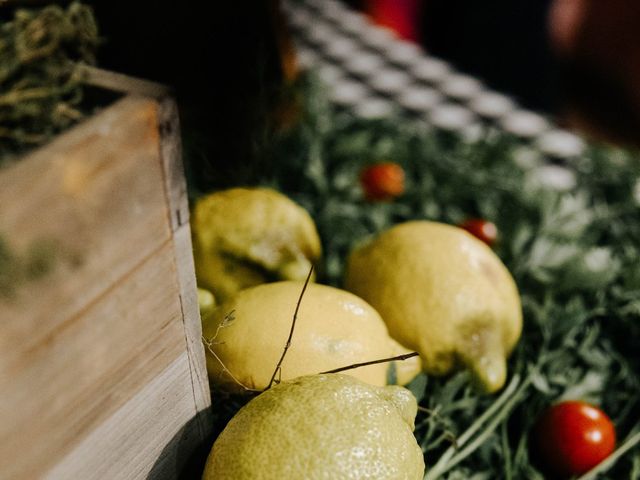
[574, 250]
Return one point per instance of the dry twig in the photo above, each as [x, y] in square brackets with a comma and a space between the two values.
[373, 362]
[278, 369]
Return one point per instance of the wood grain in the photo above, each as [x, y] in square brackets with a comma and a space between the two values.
[101, 363]
[97, 192]
[68, 386]
[166, 397]
[176, 194]
[119, 82]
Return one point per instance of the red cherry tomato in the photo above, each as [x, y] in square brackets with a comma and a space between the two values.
[572, 437]
[383, 181]
[485, 231]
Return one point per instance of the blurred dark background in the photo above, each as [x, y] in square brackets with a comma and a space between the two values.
[224, 64]
[503, 42]
[222, 59]
[231, 48]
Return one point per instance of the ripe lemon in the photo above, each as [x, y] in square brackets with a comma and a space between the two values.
[320, 427]
[246, 335]
[206, 302]
[404, 370]
[444, 293]
[248, 236]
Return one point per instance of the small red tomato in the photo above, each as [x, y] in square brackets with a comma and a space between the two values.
[485, 231]
[572, 437]
[383, 181]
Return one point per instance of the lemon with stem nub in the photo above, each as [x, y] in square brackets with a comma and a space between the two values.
[247, 236]
[245, 337]
[320, 427]
[444, 293]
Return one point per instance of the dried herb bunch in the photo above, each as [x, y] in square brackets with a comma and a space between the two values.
[40, 89]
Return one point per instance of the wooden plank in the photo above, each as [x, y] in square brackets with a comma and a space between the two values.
[119, 82]
[193, 329]
[171, 153]
[95, 193]
[101, 363]
[176, 193]
[67, 387]
[107, 454]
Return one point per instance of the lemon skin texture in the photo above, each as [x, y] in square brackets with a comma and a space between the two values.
[245, 336]
[444, 293]
[247, 236]
[316, 427]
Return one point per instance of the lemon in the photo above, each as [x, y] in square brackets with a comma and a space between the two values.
[320, 427]
[404, 370]
[248, 236]
[444, 293]
[246, 335]
[206, 302]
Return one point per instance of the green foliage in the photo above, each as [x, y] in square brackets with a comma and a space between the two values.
[40, 89]
[574, 251]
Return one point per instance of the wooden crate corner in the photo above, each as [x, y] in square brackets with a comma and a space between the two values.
[102, 367]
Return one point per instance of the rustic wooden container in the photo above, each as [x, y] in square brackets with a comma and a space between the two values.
[102, 370]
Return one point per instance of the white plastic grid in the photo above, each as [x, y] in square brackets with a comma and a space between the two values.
[372, 73]
[418, 98]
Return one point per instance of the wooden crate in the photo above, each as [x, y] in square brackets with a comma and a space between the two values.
[102, 370]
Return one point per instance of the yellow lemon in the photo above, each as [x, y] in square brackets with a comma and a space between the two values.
[444, 293]
[248, 236]
[404, 370]
[206, 302]
[320, 427]
[246, 335]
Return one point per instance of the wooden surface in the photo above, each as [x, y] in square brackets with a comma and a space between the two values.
[119, 82]
[176, 192]
[101, 364]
